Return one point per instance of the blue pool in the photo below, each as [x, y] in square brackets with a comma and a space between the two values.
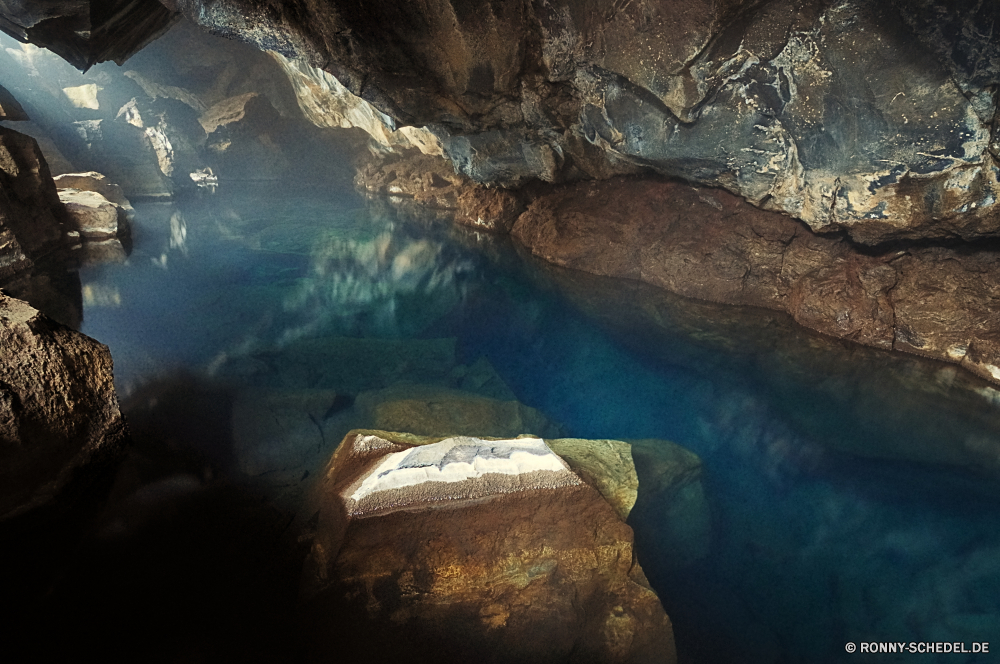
[853, 493]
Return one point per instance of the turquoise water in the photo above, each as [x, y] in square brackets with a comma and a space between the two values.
[852, 492]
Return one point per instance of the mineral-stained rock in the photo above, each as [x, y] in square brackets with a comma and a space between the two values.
[437, 411]
[467, 550]
[605, 465]
[92, 215]
[60, 427]
[710, 245]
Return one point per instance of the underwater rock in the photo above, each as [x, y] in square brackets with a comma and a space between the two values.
[710, 245]
[671, 501]
[280, 435]
[10, 109]
[429, 410]
[840, 399]
[61, 431]
[92, 215]
[469, 549]
[605, 465]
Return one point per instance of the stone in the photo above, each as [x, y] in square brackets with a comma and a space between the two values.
[85, 35]
[93, 181]
[92, 215]
[428, 410]
[465, 548]
[10, 109]
[605, 465]
[29, 205]
[672, 516]
[718, 93]
[60, 427]
[83, 96]
[710, 245]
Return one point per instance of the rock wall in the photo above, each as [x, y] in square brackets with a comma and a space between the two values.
[876, 118]
[707, 244]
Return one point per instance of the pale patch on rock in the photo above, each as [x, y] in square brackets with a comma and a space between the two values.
[83, 96]
[459, 459]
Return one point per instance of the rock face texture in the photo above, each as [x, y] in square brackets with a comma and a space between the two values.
[10, 109]
[31, 215]
[713, 246]
[467, 548]
[875, 118]
[86, 32]
[60, 427]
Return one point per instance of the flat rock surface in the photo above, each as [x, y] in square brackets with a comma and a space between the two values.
[512, 558]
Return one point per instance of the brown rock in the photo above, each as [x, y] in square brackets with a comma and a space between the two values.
[415, 178]
[93, 181]
[92, 215]
[29, 204]
[605, 465]
[60, 427]
[713, 246]
[531, 565]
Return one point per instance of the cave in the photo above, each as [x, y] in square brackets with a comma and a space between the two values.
[533, 331]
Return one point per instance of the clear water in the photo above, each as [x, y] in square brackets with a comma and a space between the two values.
[852, 492]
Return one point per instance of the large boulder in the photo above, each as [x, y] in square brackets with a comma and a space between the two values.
[713, 246]
[91, 215]
[60, 426]
[29, 205]
[471, 549]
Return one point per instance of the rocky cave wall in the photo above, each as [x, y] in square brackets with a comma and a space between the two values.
[871, 123]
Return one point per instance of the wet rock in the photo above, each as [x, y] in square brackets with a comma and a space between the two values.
[60, 426]
[437, 411]
[93, 181]
[605, 465]
[713, 246]
[671, 510]
[415, 179]
[29, 205]
[10, 109]
[510, 558]
[92, 215]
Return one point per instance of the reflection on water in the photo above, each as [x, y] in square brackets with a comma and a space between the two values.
[852, 492]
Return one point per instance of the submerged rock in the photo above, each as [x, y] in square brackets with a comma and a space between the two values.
[713, 246]
[464, 548]
[438, 411]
